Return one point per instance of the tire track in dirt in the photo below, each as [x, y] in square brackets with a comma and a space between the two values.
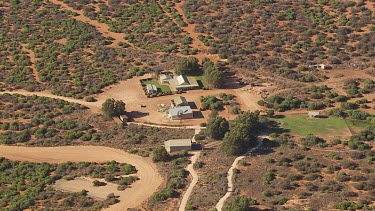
[101, 27]
[132, 197]
[32, 60]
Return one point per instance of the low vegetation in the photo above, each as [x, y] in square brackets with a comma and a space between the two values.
[27, 185]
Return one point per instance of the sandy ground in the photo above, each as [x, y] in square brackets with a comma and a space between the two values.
[79, 183]
[140, 191]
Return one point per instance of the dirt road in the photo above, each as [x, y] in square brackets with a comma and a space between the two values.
[234, 165]
[194, 181]
[132, 197]
[190, 168]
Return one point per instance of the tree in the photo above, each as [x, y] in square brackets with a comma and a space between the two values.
[242, 133]
[211, 74]
[160, 154]
[119, 107]
[240, 203]
[217, 126]
[112, 107]
[188, 66]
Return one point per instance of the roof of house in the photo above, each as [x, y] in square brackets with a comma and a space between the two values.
[180, 110]
[314, 113]
[165, 77]
[178, 142]
[180, 100]
[151, 87]
[182, 80]
[175, 82]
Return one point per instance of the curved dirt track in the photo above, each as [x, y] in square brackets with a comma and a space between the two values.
[132, 197]
[220, 204]
[194, 181]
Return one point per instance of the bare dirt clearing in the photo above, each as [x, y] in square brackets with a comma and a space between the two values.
[140, 191]
[80, 183]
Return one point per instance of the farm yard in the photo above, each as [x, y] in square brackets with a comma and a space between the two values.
[130, 91]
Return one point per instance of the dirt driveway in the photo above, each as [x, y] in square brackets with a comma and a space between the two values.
[132, 197]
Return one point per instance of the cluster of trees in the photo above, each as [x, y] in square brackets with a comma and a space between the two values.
[188, 66]
[213, 76]
[281, 104]
[217, 126]
[237, 135]
[243, 132]
[211, 73]
[211, 103]
[113, 108]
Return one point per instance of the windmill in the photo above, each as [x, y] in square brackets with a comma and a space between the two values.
[179, 114]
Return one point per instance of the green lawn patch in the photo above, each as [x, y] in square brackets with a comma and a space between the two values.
[161, 88]
[303, 125]
[201, 82]
[357, 125]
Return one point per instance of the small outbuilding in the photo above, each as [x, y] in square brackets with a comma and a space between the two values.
[176, 145]
[151, 89]
[124, 118]
[179, 113]
[314, 114]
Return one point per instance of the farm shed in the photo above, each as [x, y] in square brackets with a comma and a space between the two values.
[314, 114]
[176, 145]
